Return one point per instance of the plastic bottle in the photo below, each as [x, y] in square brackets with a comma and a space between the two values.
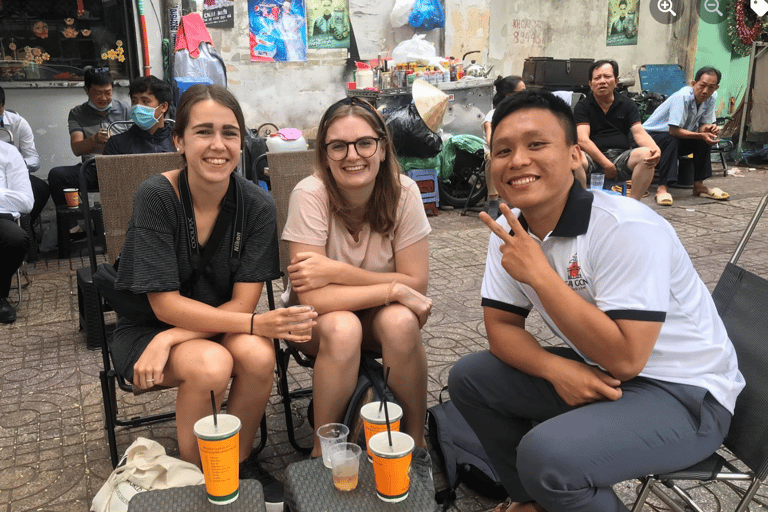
[364, 76]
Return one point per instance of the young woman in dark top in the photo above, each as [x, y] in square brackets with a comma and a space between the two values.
[206, 333]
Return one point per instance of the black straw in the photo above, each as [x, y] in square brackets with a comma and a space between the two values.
[213, 404]
[384, 394]
[386, 411]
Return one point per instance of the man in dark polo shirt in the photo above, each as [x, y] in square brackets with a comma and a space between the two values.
[150, 100]
[606, 123]
[88, 125]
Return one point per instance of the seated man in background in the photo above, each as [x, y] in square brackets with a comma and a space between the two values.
[88, 131]
[24, 140]
[15, 198]
[150, 99]
[685, 124]
[606, 123]
[647, 379]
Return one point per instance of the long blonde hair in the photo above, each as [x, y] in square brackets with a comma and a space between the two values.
[381, 209]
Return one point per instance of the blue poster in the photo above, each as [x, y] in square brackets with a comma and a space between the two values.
[278, 30]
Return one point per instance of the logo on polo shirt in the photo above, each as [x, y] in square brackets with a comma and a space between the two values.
[574, 278]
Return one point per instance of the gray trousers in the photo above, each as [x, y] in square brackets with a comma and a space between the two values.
[572, 456]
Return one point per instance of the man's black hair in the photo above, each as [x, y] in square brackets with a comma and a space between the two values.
[97, 76]
[2, 97]
[708, 70]
[540, 100]
[601, 63]
[156, 87]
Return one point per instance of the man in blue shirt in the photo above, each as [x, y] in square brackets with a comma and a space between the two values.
[685, 124]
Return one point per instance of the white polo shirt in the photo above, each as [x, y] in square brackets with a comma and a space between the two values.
[620, 255]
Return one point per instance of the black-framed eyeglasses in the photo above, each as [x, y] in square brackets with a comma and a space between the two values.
[365, 147]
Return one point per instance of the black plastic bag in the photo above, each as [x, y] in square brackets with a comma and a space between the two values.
[411, 136]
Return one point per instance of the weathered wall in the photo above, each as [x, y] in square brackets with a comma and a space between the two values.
[508, 32]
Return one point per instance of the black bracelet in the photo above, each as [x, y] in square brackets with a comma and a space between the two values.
[253, 315]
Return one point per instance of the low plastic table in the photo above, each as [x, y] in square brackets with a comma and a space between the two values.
[309, 488]
[193, 499]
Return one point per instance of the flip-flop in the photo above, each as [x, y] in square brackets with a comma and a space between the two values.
[716, 194]
[502, 507]
[664, 199]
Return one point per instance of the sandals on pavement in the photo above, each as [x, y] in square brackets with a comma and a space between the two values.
[664, 199]
[715, 193]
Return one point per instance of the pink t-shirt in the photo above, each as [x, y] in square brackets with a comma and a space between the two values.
[310, 222]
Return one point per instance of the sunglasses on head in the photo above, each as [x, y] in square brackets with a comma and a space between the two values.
[97, 71]
[353, 101]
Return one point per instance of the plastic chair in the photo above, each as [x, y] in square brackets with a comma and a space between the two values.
[119, 176]
[741, 298]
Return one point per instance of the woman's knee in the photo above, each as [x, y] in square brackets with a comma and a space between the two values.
[252, 354]
[340, 334]
[398, 330]
[213, 367]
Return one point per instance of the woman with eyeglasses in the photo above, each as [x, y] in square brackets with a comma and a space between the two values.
[357, 234]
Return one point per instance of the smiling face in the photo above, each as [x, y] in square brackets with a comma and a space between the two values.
[355, 175]
[531, 162]
[100, 95]
[603, 81]
[210, 142]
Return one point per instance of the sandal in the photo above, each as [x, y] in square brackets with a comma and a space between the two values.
[715, 193]
[502, 507]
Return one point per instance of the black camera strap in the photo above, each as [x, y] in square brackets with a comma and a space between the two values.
[232, 206]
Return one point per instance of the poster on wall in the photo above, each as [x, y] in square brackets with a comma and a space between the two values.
[277, 30]
[623, 22]
[219, 13]
[328, 23]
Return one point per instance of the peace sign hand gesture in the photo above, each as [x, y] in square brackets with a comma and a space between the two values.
[522, 257]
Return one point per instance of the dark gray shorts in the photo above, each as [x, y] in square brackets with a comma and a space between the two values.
[621, 162]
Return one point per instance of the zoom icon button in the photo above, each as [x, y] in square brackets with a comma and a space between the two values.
[666, 12]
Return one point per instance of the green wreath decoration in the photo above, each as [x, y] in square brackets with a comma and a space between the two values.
[744, 27]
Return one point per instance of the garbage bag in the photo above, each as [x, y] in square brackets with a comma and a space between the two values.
[468, 143]
[401, 12]
[195, 54]
[415, 49]
[410, 136]
[427, 14]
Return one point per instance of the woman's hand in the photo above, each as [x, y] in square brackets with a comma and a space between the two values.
[413, 300]
[292, 324]
[309, 271]
[148, 370]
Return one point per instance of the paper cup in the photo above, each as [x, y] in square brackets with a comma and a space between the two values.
[345, 465]
[375, 422]
[219, 449]
[392, 465]
[72, 197]
[329, 435]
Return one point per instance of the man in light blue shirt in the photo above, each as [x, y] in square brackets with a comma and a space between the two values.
[685, 124]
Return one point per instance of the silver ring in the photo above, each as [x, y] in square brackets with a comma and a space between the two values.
[150, 380]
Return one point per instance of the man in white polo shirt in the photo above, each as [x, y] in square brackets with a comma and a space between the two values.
[648, 380]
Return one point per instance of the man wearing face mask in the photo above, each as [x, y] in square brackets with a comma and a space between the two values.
[150, 98]
[88, 132]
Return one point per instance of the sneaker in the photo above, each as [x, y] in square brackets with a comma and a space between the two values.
[7, 313]
[421, 465]
[273, 489]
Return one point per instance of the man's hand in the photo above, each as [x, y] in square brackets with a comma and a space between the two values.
[653, 157]
[522, 257]
[578, 383]
[101, 136]
[610, 170]
[309, 271]
[710, 138]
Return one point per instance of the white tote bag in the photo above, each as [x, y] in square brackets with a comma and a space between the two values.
[146, 468]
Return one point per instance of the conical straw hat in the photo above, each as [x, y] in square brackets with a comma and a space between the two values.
[430, 102]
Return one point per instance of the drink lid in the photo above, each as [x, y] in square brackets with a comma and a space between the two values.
[227, 426]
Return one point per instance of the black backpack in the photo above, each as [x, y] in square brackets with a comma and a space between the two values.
[463, 456]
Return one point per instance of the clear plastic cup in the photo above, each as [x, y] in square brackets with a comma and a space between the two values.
[329, 435]
[345, 465]
[596, 180]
